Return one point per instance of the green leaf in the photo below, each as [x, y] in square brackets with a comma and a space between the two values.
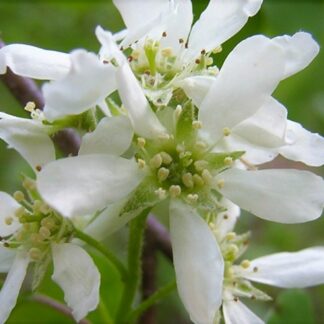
[293, 307]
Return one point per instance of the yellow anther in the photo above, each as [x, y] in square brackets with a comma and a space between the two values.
[161, 193]
[217, 49]
[200, 165]
[245, 264]
[198, 180]
[164, 136]
[163, 174]
[45, 209]
[209, 61]
[228, 161]
[196, 124]
[141, 163]
[19, 196]
[192, 198]
[44, 232]
[200, 146]
[226, 131]
[207, 177]
[180, 148]
[167, 52]
[37, 205]
[141, 142]
[175, 191]
[36, 238]
[35, 254]
[156, 161]
[184, 154]
[29, 184]
[166, 158]
[220, 183]
[48, 222]
[232, 251]
[8, 220]
[30, 106]
[20, 212]
[178, 111]
[188, 180]
[230, 236]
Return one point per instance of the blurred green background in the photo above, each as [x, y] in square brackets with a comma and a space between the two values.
[66, 25]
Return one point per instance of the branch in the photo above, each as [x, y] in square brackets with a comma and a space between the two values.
[45, 300]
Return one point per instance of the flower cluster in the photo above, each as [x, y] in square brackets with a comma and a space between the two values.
[182, 130]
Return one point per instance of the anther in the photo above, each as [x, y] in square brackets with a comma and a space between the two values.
[166, 158]
[188, 180]
[167, 52]
[203, 52]
[200, 165]
[200, 145]
[192, 198]
[19, 196]
[207, 177]
[181, 41]
[235, 299]
[197, 61]
[38, 168]
[35, 254]
[8, 220]
[36, 238]
[196, 124]
[30, 106]
[245, 264]
[220, 183]
[45, 232]
[141, 163]
[163, 174]
[175, 191]
[164, 136]
[230, 236]
[130, 58]
[228, 161]
[198, 180]
[20, 212]
[217, 49]
[164, 34]
[226, 131]
[37, 205]
[141, 142]
[156, 161]
[161, 193]
[255, 269]
[180, 148]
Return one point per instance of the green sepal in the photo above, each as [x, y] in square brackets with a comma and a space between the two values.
[184, 129]
[39, 271]
[217, 160]
[142, 198]
[244, 288]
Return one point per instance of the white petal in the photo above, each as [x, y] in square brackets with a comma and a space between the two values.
[6, 259]
[78, 276]
[109, 49]
[144, 120]
[113, 135]
[241, 89]
[220, 21]
[29, 137]
[8, 206]
[303, 146]
[11, 287]
[226, 220]
[88, 82]
[236, 312]
[84, 184]
[196, 87]
[267, 126]
[137, 13]
[284, 196]
[34, 62]
[109, 221]
[198, 262]
[300, 269]
[300, 50]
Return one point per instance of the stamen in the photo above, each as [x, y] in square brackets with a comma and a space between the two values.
[30, 106]
[164, 34]
[163, 174]
[141, 142]
[167, 52]
[230, 236]
[198, 180]
[35, 254]
[220, 183]
[188, 180]
[226, 131]
[161, 193]
[19, 196]
[8, 220]
[207, 176]
[192, 198]
[166, 158]
[156, 161]
[141, 163]
[200, 165]
[255, 269]
[45, 232]
[245, 264]
[178, 111]
[228, 161]
[175, 191]
[196, 124]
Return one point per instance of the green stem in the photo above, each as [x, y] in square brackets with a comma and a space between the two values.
[153, 299]
[135, 244]
[104, 250]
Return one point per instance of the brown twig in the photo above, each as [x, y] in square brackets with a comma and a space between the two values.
[48, 301]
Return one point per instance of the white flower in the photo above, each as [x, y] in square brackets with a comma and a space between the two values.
[78, 81]
[173, 150]
[34, 238]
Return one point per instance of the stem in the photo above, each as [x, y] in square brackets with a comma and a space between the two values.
[104, 250]
[56, 305]
[135, 243]
[153, 299]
